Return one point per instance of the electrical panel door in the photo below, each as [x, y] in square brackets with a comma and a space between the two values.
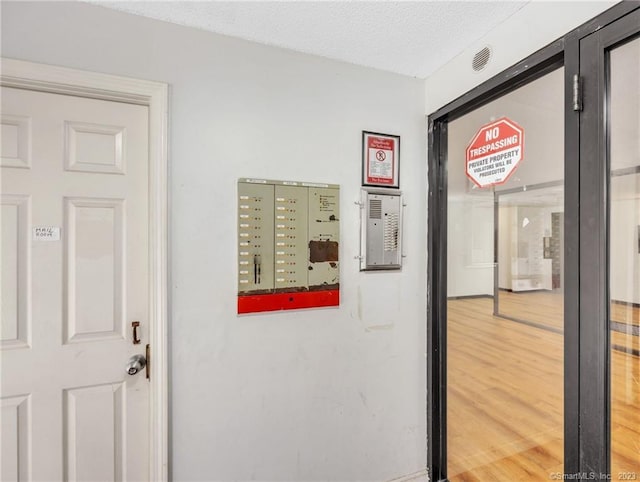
[288, 245]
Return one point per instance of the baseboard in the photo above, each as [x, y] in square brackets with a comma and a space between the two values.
[469, 297]
[508, 290]
[519, 292]
[421, 476]
[626, 303]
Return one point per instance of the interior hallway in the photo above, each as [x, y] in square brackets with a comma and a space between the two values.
[505, 396]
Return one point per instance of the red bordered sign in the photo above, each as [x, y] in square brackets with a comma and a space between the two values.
[380, 159]
[494, 153]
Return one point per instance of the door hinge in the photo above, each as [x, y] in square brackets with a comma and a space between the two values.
[148, 365]
[577, 93]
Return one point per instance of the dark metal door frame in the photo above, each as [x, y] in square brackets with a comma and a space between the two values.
[594, 241]
[586, 392]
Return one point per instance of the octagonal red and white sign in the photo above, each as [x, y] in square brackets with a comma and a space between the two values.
[494, 153]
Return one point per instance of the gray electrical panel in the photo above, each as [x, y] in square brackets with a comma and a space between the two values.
[381, 230]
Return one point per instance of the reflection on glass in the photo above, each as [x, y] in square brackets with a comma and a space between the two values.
[504, 337]
[624, 275]
[530, 255]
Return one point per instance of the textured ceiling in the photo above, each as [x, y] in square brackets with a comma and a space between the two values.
[410, 38]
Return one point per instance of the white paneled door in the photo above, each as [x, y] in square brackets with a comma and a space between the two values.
[75, 268]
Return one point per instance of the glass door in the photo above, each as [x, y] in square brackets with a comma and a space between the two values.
[610, 250]
[533, 359]
[610, 153]
[504, 293]
[624, 259]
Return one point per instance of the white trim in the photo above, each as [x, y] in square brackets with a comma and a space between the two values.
[61, 80]
[416, 476]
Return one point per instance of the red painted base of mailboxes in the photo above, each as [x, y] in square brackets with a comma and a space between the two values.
[288, 301]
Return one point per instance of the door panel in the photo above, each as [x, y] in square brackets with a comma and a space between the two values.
[624, 258]
[95, 427]
[78, 169]
[505, 318]
[609, 156]
[15, 438]
[16, 273]
[475, 360]
[95, 269]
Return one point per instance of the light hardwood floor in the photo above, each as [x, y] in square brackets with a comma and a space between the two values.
[505, 393]
[546, 308]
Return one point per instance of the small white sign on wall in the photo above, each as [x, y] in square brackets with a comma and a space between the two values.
[46, 233]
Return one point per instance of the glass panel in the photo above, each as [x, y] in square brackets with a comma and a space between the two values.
[624, 264]
[505, 315]
[530, 255]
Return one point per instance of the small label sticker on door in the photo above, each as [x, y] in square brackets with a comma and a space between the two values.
[46, 233]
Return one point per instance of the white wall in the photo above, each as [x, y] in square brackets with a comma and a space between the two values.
[470, 245]
[507, 220]
[625, 190]
[537, 107]
[625, 226]
[327, 394]
[532, 27]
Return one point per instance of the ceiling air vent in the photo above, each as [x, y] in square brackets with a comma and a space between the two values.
[481, 59]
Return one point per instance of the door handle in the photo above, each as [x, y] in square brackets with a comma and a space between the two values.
[135, 325]
[135, 364]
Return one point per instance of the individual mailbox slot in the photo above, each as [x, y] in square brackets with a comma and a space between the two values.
[256, 233]
[324, 237]
[291, 239]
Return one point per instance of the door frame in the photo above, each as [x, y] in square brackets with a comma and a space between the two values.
[595, 249]
[584, 394]
[61, 80]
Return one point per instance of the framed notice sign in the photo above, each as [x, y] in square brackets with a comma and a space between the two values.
[380, 160]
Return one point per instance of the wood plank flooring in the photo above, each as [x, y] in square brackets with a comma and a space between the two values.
[546, 308]
[542, 307]
[625, 313]
[505, 393]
